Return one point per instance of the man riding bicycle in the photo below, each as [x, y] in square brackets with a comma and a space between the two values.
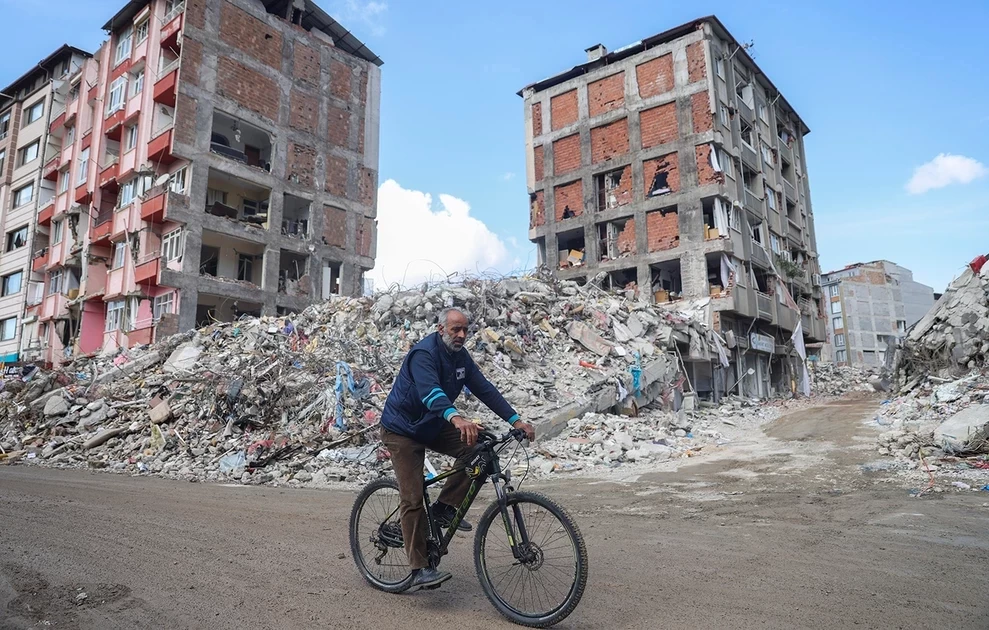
[419, 414]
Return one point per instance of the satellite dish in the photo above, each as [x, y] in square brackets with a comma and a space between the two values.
[161, 181]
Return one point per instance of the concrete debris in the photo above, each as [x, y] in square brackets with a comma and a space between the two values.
[941, 377]
[296, 399]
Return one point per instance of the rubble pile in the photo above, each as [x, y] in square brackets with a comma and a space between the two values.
[942, 411]
[296, 399]
[831, 379]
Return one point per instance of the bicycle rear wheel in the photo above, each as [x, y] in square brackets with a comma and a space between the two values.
[376, 537]
[545, 587]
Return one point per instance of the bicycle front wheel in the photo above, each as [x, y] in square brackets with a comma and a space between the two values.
[545, 586]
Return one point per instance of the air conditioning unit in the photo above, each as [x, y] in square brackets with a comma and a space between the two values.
[817, 279]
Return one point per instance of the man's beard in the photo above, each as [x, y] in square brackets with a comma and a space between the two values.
[450, 342]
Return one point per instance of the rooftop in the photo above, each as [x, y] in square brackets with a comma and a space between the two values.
[44, 65]
[312, 18]
[657, 40]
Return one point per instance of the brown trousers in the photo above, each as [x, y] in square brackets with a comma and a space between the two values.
[408, 458]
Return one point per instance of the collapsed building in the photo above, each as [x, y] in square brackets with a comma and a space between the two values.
[303, 393]
[676, 168]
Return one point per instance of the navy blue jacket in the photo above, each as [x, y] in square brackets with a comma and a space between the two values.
[430, 380]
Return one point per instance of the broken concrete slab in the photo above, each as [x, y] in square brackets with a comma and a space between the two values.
[965, 432]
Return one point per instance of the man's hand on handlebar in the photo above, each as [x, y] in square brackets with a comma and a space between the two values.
[525, 427]
[468, 430]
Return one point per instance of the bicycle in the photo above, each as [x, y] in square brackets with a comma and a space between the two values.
[533, 575]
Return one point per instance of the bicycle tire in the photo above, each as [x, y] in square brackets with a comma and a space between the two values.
[389, 586]
[576, 591]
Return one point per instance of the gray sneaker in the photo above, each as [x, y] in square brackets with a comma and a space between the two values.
[428, 578]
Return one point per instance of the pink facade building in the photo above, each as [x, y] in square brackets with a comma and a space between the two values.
[214, 158]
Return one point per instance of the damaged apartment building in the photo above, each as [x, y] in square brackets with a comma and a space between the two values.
[675, 168]
[214, 158]
[870, 308]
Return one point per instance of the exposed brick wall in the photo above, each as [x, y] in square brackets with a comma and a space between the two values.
[195, 13]
[367, 182]
[336, 176]
[537, 162]
[537, 119]
[365, 235]
[301, 164]
[563, 109]
[247, 87]
[609, 140]
[305, 63]
[566, 154]
[340, 80]
[705, 173]
[305, 112]
[670, 164]
[192, 60]
[662, 229]
[338, 126]
[185, 121]
[655, 77]
[335, 226]
[626, 238]
[360, 133]
[700, 110]
[242, 30]
[606, 94]
[696, 64]
[658, 125]
[537, 209]
[568, 196]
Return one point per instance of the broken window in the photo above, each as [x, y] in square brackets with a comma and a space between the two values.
[241, 141]
[611, 194]
[295, 216]
[209, 261]
[571, 248]
[755, 231]
[743, 88]
[722, 273]
[16, 239]
[666, 281]
[622, 280]
[716, 218]
[292, 268]
[237, 199]
[331, 279]
[747, 136]
[245, 267]
[763, 280]
[617, 238]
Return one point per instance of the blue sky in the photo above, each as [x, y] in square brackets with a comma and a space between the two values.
[884, 90]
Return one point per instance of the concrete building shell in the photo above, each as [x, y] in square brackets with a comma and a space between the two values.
[622, 181]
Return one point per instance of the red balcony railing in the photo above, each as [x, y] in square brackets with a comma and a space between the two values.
[40, 260]
[165, 88]
[46, 213]
[160, 148]
[147, 272]
[51, 167]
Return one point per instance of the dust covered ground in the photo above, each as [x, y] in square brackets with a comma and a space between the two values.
[781, 528]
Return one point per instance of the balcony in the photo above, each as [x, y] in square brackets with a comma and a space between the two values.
[160, 148]
[40, 260]
[786, 317]
[753, 204]
[172, 27]
[114, 125]
[749, 156]
[164, 90]
[100, 231]
[785, 151]
[146, 271]
[58, 122]
[764, 306]
[108, 176]
[82, 195]
[789, 190]
[760, 256]
[46, 213]
[92, 94]
[50, 171]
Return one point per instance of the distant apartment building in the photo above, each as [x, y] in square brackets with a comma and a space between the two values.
[25, 113]
[214, 158]
[676, 168]
[871, 305]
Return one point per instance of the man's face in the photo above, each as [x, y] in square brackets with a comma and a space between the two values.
[454, 333]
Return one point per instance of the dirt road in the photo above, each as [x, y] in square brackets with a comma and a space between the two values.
[780, 531]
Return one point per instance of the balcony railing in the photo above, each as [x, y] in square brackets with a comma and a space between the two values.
[764, 305]
[171, 15]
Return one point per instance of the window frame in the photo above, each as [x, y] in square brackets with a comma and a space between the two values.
[120, 53]
[22, 157]
[163, 304]
[130, 138]
[119, 252]
[173, 245]
[114, 315]
[83, 173]
[837, 322]
[833, 290]
[5, 289]
[13, 328]
[138, 85]
[58, 231]
[27, 113]
[181, 174]
[141, 30]
[55, 282]
[16, 196]
[836, 307]
[841, 356]
[11, 235]
[4, 124]
[119, 88]
[839, 340]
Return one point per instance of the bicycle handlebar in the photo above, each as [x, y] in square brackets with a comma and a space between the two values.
[492, 439]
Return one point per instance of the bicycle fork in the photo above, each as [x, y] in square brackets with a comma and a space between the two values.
[520, 544]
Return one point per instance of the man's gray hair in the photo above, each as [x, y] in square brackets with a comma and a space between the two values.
[444, 315]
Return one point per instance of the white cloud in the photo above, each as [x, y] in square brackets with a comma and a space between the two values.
[508, 176]
[944, 170]
[417, 242]
[370, 14]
